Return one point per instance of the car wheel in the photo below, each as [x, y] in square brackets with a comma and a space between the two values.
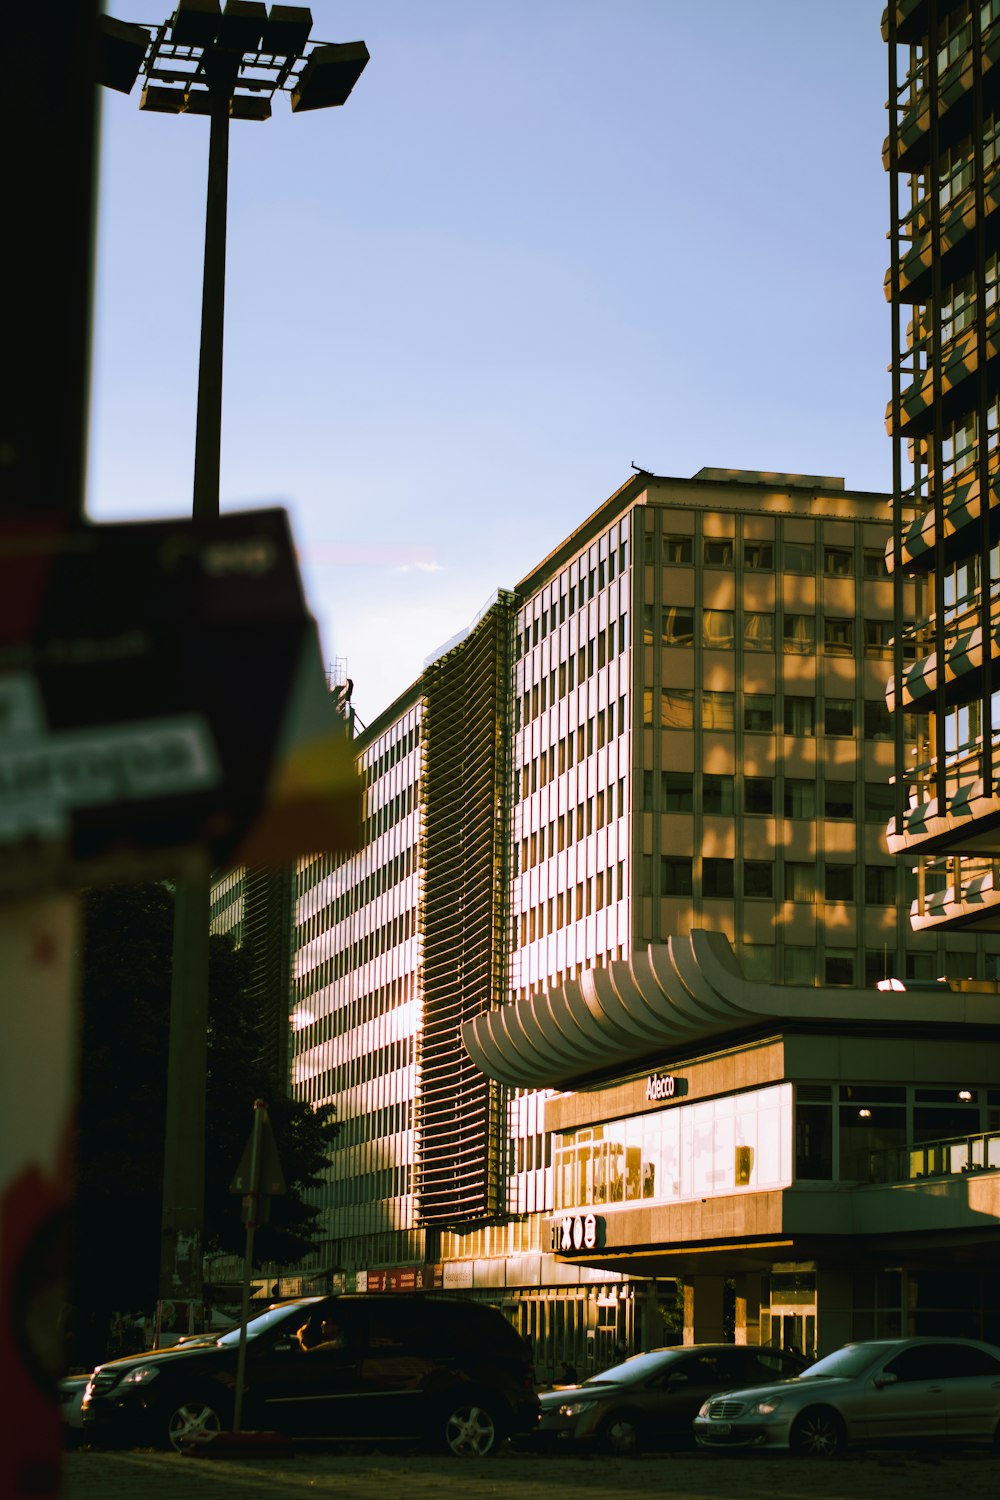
[470, 1427]
[195, 1418]
[621, 1434]
[818, 1433]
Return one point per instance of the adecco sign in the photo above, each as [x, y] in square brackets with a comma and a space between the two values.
[661, 1086]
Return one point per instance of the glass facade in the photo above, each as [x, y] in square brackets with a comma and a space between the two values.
[740, 1143]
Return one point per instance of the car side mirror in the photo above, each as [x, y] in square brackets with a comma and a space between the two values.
[885, 1378]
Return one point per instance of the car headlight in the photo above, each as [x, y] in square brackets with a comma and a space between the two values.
[703, 1409]
[576, 1408]
[767, 1406]
[142, 1376]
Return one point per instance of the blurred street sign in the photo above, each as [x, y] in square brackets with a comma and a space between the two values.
[162, 693]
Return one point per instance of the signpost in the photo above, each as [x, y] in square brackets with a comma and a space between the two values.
[258, 1178]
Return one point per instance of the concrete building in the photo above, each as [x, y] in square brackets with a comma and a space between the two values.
[942, 156]
[675, 723]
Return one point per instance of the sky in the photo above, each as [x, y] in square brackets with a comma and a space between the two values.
[542, 241]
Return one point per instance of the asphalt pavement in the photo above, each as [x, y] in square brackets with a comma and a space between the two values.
[144, 1475]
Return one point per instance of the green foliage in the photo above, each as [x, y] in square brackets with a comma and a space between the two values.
[126, 965]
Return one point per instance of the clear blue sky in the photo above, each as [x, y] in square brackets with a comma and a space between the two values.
[543, 239]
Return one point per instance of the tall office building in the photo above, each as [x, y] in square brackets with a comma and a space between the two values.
[676, 721]
[942, 157]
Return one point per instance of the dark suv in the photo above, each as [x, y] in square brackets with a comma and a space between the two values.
[442, 1370]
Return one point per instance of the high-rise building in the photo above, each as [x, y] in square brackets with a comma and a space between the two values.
[675, 722]
[942, 156]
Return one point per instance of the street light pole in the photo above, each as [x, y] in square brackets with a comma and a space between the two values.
[222, 62]
[208, 436]
[182, 1234]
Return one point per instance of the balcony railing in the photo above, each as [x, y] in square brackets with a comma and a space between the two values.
[953, 1157]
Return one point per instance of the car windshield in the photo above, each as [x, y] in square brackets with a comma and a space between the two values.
[263, 1322]
[845, 1363]
[636, 1368]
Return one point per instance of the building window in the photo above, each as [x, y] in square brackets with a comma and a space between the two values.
[758, 795]
[647, 624]
[800, 557]
[757, 962]
[880, 802]
[800, 881]
[758, 557]
[758, 713]
[813, 1132]
[879, 965]
[647, 708]
[838, 883]
[647, 791]
[678, 627]
[799, 798]
[717, 877]
[758, 878]
[921, 966]
[878, 638]
[799, 965]
[838, 637]
[678, 551]
[717, 710]
[838, 966]
[872, 1119]
[880, 885]
[838, 799]
[800, 716]
[838, 562]
[676, 877]
[677, 708]
[677, 791]
[799, 634]
[874, 563]
[717, 794]
[758, 632]
[717, 629]
[717, 552]
[878, 721]
[838, 717]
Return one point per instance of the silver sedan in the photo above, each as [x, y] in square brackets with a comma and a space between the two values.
[884, 1392]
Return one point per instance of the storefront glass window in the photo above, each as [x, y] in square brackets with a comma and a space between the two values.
[707, 1149]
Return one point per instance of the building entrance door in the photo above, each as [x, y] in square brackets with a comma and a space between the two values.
[791, 1312]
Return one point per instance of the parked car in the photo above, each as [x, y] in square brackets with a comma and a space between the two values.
[71, 1389]
[450, 1372]
[885, 1391]
[650, 1400]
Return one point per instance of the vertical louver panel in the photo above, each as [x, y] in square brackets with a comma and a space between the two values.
[267, 934]
[466, 809]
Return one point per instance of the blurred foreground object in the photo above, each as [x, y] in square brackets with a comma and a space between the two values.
[162, 700]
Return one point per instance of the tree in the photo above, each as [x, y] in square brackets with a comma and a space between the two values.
[126, 1018]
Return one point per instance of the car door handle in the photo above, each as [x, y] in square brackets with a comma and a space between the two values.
[935, 1389]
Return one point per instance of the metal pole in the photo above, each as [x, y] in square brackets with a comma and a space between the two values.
[259, 1115]
[181, 1265]
[208, 438]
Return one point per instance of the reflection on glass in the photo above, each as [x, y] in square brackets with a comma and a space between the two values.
[716, 1146]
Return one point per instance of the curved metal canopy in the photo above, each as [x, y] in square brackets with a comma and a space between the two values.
[670, 997]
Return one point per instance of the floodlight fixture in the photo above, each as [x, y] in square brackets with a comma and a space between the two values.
[195, 22]
[121, 49]
[159, 100]
[242, 50]
[286, 30]
[242, 25]
[329, 75]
